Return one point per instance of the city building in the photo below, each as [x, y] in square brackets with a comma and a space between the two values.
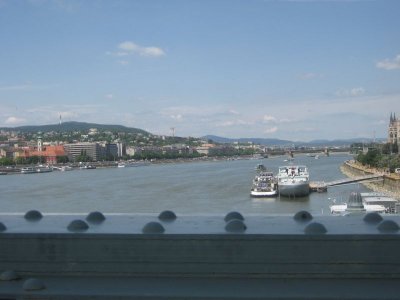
[93, 150]
[394, 130]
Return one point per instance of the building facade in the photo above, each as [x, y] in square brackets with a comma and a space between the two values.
[91, 149]
[394, 130]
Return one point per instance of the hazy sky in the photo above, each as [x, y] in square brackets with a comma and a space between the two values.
[298, 70]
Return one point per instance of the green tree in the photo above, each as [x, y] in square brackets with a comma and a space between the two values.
[62, 159]
[21, 161]
[372, 158]
[83, 157]
[5, 161]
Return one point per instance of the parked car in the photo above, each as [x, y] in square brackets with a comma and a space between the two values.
[397, 170]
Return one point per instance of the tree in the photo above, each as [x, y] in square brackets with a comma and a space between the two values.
[372, 158]
[5, 161]
[62, 159]
[21, 161]
[83, 157]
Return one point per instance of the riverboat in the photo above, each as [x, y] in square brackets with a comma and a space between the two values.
[264, 185]
[133, 164]
[293, 181]
[87, 167]
[357, 204]
[43, 169]
[66, 168]
[28, 170]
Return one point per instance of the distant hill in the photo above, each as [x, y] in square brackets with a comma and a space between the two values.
[278, 142]
[76, 126]
[259, 141]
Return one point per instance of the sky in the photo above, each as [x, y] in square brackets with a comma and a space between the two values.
[295, 69]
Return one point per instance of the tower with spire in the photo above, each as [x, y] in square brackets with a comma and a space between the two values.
[394, 130]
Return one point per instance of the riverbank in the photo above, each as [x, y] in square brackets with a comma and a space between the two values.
[390, 185]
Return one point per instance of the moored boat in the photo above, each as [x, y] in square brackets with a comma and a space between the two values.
[264, 185]
[87, 167]
[293, 181]
[43, 169]
[66, 168]
[357, 205]
[28, 170]
[129, 164]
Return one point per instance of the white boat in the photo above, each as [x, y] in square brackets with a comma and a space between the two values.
[264, 185]
[87, 167]
[66, 168]
[28, 170]
[293, 181]
[357, 204]
[342, 209]
[43, 169]
[133, 164]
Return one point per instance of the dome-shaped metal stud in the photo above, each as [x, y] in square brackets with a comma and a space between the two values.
[372, 218]
[153, 227]
[315, 228]
[303, 216]
[2, 227]
[167, 215]
[388, 226]
[233, 215]
[33, 215]
[236, 226]
[33, 284]
[78, 226]
[9, 275]
[95, 217]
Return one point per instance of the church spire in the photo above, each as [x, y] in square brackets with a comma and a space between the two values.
[391, 118]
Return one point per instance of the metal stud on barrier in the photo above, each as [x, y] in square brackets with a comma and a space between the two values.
[33, 215]
[235, 226]
[9, 275]
[372, 218]
[388, 226]
[2, 227]
[167, 215]
[95, 217]
[33, 284]
[153, 228]
[233, 215]
[315, 228]
[303, 216]
[78, 226]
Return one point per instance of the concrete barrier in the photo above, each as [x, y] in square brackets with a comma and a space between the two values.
[144, 257]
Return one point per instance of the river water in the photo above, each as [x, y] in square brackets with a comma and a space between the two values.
[212, 187]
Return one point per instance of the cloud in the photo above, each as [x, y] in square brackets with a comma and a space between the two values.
[354, 92]
[309, 76]
[24, 87]
[389, 64]
[177, 117]
[268, 119]
[230, 123]
[109, 96]
[14, 121]
[271, 130]
[128, 48]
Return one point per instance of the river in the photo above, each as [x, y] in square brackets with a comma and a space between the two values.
[212, 187]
